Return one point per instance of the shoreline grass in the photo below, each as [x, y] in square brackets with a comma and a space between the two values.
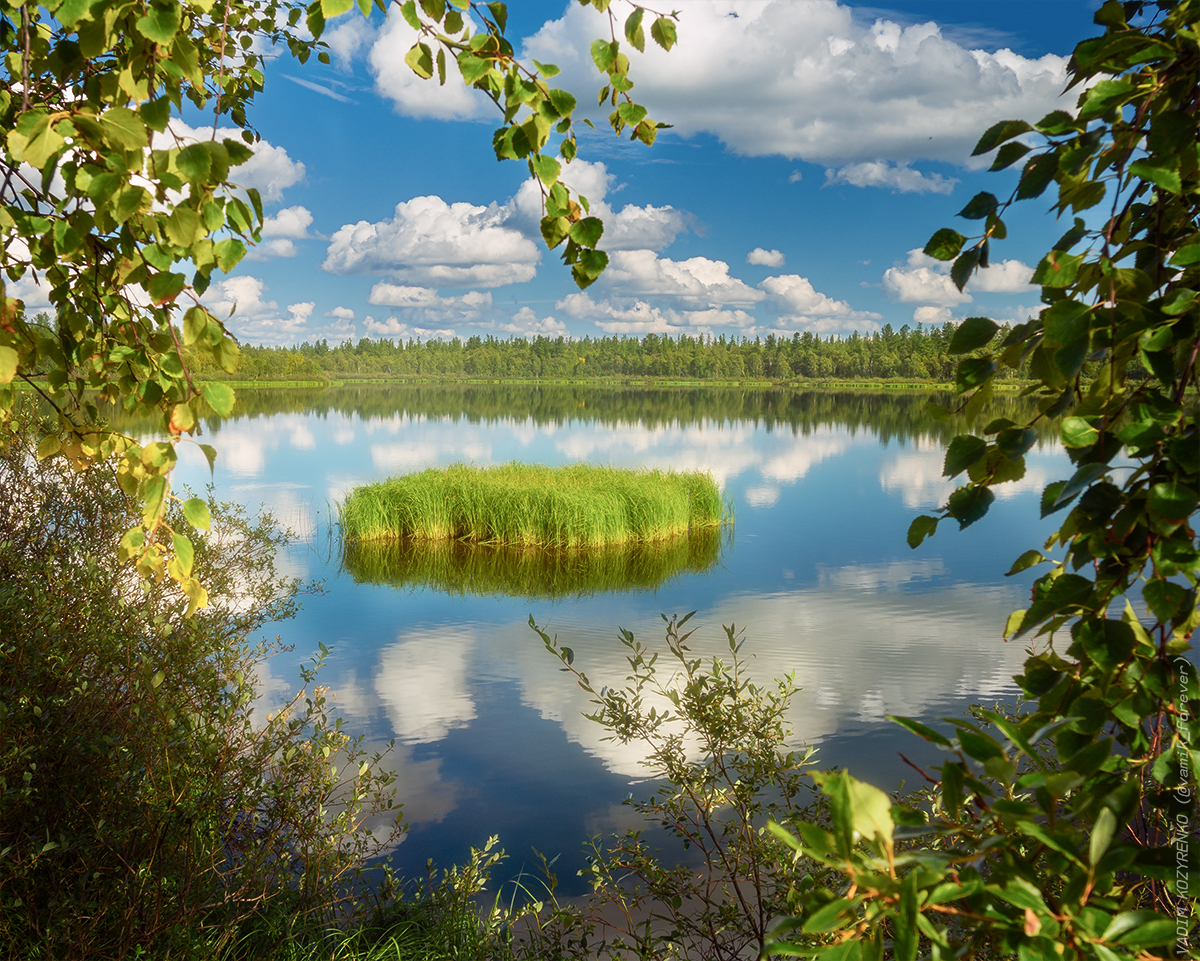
[464, 567]
[580, 505]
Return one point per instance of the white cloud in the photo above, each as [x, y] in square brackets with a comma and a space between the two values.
[765, 258]
[342, 313]
[262, 321]
[927, 281]
[933, 315]
[412, 96]
[1006, 277]
[697, 282]
[802, 307]
[526, 323]
[271, 249]
[269, 170]
[630, 228]
[394, 295]
[795, 177]
[639, 317]
[430, 242]
[810, 81]
[922, 285]
[899, 178]
[290, 222]
[347, 39]
[395, 329]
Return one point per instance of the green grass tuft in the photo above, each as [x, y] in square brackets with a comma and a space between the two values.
[577, 506]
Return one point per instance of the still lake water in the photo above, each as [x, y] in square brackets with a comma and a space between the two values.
[489, 733]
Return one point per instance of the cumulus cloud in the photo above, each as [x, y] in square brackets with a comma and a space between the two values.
[395, 329]
[432, 243]
[925, 280]
[348, 39]
[526, 323]
[815, 82]
[630, 228]
[802, 307]
[765, 258]
[412, 96]
[341, 313]
[257, 319]
[290, 222]
[899, 178]
[269, 170]
[697, 282]
[640, 317]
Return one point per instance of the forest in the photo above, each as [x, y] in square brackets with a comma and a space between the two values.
[917, 353]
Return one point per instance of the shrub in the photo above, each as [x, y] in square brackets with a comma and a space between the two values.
[145, 802]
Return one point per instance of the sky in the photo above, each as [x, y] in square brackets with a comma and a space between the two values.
[816, 147]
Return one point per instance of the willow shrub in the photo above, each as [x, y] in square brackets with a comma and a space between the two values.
[580, 505]
[145, 801]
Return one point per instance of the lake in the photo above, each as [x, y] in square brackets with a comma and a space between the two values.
[489, 733]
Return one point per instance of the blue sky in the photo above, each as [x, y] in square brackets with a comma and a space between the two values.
[816, 147]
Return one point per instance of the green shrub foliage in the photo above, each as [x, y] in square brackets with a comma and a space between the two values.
[1063, 831]
[145, 799]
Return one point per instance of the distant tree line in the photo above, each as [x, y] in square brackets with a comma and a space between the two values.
[910, 353]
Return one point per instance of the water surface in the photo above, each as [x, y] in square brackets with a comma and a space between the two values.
[490, 734]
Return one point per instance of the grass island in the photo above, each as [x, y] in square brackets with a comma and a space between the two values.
[576, 506]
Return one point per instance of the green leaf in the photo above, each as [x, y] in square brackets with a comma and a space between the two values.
[969, 504]
[998, 133]
[1077, 432]
[420, 60]
[563, 102]
[1172, 501]
[921, 730]
[161, 22]
[472, 68]
[210, 454]
[194, 162]
[663, 32]
[153, 492]
[1057, 269]
[964, 266]
[546, 169]
[184, 552]
[604, 54]
[906, 935]
[547, 70]
[945, 244]
[633, 29]
[587, 232]
[1186, 256]
[1026, 561]
[196, 511]
[8, 364]
[1015, 442]
[408, 10]
[921, 528]
[1066, 322]
[963, 451]
[979, 206]
[1178, 301]
[1102, 834]
[1008, 155]
[972, 333]
[124, 129]
[220, 397]
[1163, 172]
[1037, 174]
[164, 287]
[590, 266]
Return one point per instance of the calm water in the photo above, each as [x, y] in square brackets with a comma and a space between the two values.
[490, 737]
